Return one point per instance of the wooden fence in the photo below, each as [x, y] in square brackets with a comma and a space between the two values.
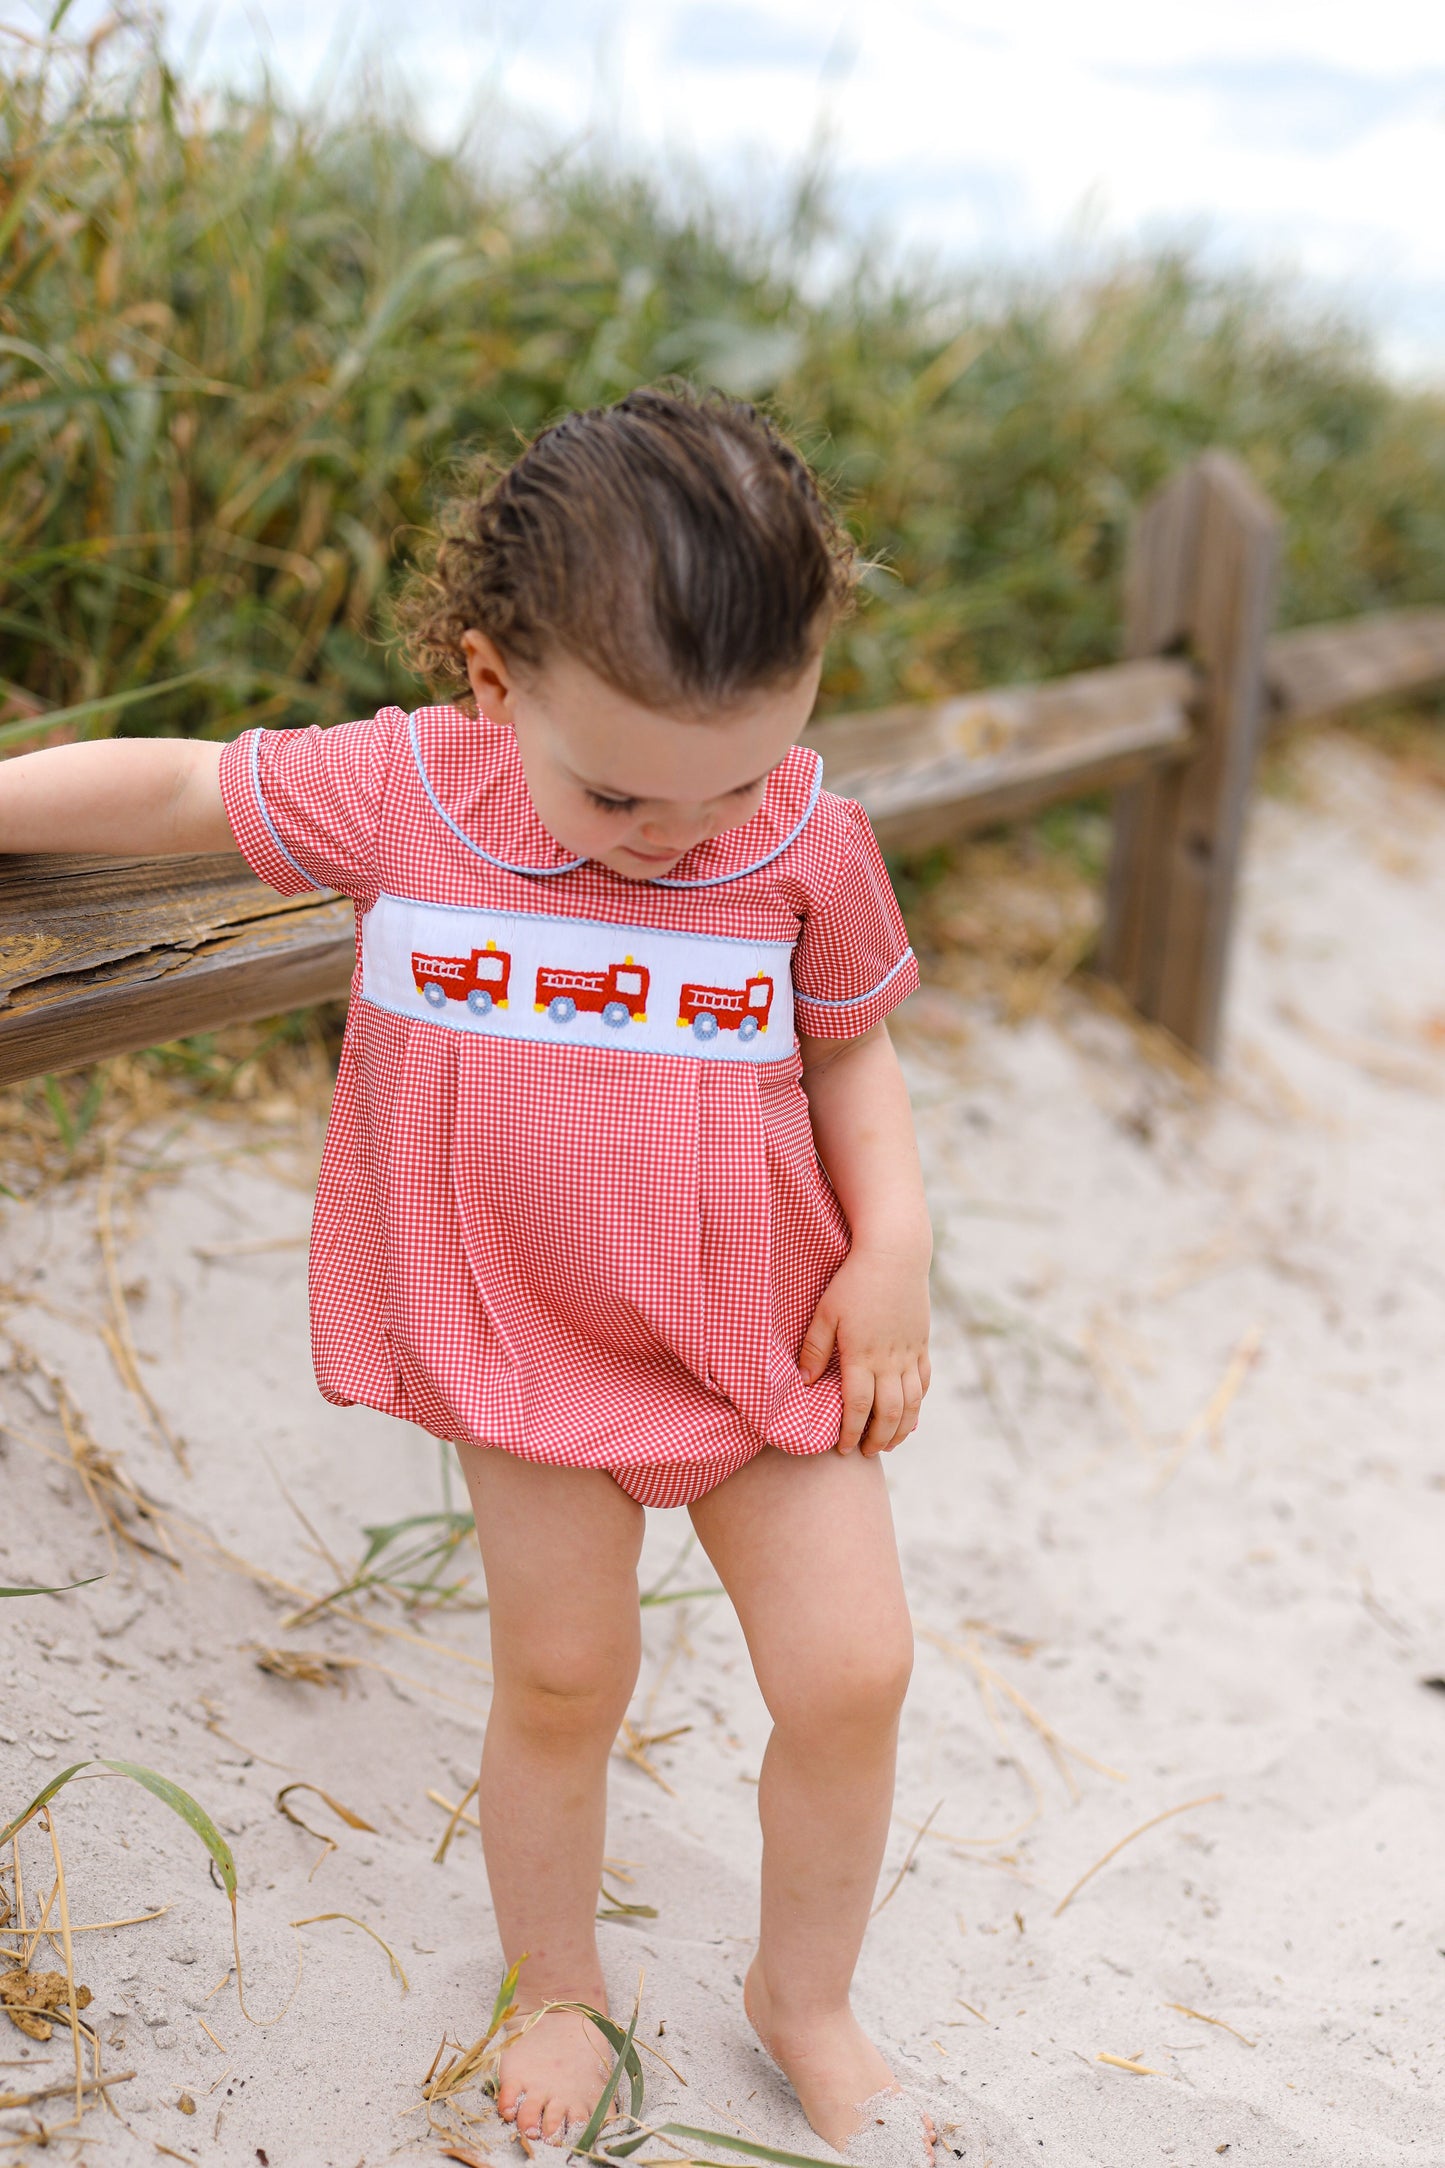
[101, 956]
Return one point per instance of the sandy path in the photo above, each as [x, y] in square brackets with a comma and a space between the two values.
[1180, 1486]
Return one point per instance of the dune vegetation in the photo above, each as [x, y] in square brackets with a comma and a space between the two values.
[241, 352]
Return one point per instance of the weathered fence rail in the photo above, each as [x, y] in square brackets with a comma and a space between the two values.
[101, 956]
[1323, 669]
[928, 771]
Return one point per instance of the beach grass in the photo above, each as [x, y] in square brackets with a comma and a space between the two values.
[242, 351]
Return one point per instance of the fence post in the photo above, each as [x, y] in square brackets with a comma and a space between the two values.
[1200, 583]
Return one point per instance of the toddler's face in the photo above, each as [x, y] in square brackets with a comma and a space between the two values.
[623, 784]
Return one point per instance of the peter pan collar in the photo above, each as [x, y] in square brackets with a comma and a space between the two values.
[570, 865]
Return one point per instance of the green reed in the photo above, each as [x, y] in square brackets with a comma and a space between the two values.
[240, 349]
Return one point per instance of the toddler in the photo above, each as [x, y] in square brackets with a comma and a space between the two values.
[620, 1193]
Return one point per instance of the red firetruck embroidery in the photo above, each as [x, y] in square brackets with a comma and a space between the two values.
[711, 1009]
[480, 980]
[618, 995]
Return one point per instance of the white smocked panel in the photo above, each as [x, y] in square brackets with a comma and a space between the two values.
[578, 981]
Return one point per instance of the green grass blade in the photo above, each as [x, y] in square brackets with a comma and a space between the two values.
[740, 2145]
[31, 726]
[627, 2055]
[453, 1526]
[90, 1104]
[676, 1595]
[63, 1589]
[603, 2108]
[506, 1995]
[378, 1570]
[190, 1812]
[42, 1798]
[55, 1100]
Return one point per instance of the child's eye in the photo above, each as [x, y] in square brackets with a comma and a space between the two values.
[612, 805]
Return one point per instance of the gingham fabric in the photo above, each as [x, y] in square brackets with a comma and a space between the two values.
[581, 1251]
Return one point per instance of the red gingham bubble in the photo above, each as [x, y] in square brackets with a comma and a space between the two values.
[592, 1256]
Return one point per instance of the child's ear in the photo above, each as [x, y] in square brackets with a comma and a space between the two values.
[490, 676]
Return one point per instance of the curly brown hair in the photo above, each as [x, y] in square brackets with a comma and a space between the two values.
[675, 543]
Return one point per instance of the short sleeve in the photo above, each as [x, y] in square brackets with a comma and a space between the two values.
[305, 805]
[852, 963]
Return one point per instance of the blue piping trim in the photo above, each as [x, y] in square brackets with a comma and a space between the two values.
[540, 873]
[645, 933]
[855, 1001]
[543, 873]
[686, 1052]
[715, 880]
[253, 762]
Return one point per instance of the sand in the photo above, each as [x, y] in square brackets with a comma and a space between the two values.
[1178, 1500]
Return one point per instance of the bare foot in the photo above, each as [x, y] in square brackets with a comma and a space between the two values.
[841, 2080]
[551, 2074]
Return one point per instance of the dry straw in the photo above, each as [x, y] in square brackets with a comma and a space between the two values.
[348, 1815]
[1209, 1422]
[1199, 2016]
[30, 1999]
[1209, 1800]
[908, 1858]
[455, 1816]
[117, 1332]
[993, 1687]
[316, 1919]
[121, 1507]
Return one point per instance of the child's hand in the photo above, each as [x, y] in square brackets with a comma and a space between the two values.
[876, 1309]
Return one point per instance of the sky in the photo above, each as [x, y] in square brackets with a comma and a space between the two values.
[1295, 138]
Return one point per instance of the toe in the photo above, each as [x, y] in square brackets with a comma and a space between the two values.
[553, 2120]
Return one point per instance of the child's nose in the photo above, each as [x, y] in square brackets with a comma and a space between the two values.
[679, 832]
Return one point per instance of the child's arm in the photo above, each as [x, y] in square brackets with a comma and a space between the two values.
[876, 1306]
[133, 797]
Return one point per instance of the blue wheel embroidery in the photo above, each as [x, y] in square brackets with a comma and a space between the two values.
[748, 1028]
[479, 1001]
[562, 1008]
[705, 1025]
[616, 1014]
[434, 994]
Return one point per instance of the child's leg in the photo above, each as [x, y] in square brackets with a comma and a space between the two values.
[560, 1548]
[805, 1549]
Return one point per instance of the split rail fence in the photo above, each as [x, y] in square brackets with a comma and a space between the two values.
[101, 956]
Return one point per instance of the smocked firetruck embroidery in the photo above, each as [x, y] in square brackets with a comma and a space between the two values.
[480, 980]
[579, 982]
[618, 995]
[711, 1009]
